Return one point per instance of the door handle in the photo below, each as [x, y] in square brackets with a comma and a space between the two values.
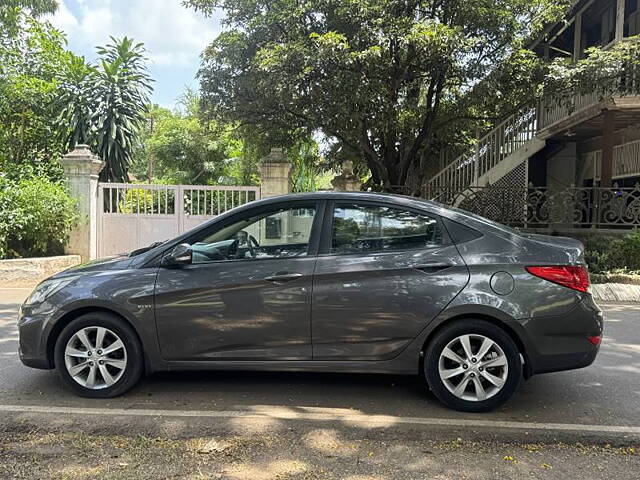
[283, 277]
[432, 267]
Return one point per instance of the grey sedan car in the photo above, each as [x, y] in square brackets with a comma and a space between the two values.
[340, 282]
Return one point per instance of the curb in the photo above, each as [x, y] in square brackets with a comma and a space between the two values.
[616, 293]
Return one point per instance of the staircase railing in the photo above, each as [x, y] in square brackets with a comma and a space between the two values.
[521, 127]
[490, 150]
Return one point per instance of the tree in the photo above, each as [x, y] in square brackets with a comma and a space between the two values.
[105, 104]
[381, 78]
[183, 148]
[31, 62]
[12, 12]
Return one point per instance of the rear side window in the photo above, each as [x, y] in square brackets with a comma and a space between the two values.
[370, 229]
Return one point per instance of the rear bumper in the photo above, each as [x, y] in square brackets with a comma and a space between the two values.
[561, 342]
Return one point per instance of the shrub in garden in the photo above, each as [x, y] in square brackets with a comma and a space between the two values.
[36, 216]
[606, 254]
[630, 250]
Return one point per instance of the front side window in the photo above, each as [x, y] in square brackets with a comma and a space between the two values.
[368, 229]
[276, 234]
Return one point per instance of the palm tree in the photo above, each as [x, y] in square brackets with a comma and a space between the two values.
[105, 105]
[124, 86]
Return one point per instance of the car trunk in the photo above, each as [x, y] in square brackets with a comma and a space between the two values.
[572, 248]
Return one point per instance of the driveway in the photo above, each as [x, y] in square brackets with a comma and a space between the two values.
[603, 398]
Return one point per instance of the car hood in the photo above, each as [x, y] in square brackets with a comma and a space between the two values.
[118, 262]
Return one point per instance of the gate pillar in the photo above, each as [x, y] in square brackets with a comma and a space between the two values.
[81, 169]
[275, 174]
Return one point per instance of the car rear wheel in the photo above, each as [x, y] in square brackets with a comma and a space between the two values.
[99, 356]
[472, 365]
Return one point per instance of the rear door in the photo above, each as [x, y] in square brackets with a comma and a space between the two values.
[382, 274]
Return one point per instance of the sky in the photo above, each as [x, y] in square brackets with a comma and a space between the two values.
[174, 36]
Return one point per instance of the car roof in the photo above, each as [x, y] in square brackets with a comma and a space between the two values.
[352, 196]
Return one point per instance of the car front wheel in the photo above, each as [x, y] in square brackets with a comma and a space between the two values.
[99, 356]
[472, 365]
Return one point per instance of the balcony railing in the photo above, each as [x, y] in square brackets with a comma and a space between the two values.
[624, 83]
[540, 208]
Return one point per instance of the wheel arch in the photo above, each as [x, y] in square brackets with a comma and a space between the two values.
[503, 325]
[70, 316]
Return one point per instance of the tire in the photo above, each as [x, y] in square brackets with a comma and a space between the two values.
[115, 370]
[498, 372]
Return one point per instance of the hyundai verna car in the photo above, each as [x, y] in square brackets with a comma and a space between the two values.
[339, 282]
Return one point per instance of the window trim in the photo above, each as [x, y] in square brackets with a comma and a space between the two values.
[327, 228]
[314, 237]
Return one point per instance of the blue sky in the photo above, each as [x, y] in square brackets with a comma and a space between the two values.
[173, 35]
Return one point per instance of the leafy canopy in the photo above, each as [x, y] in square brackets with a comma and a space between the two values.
[185, 149]
[31, 63]
[12, 12]
[382, 79]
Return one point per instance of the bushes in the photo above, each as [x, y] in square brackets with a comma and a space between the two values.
[613, 253]
[36, 216]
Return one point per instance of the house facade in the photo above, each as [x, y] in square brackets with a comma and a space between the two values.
[561, 166]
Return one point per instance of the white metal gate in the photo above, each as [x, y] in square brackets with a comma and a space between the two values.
[132, 216]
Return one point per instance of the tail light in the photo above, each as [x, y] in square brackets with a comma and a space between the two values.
[574, 277]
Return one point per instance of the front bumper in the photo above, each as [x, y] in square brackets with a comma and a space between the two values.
[33, 330]
[561, 342]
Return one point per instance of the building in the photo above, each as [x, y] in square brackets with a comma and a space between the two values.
[558, 166]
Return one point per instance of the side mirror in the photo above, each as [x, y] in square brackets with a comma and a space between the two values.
[180, 255]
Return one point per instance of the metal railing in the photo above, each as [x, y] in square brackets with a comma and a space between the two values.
[533, 207]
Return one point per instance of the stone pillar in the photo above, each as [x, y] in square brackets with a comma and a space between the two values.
[347, 181]
[608, 142]
[275, 174]
[81, 169]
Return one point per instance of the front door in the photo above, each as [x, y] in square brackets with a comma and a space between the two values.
[382, 275]
[247, 294]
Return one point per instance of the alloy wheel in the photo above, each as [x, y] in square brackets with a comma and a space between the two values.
[473, 367]
[95, 357]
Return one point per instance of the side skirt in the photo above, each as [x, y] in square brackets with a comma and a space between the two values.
[395, 366]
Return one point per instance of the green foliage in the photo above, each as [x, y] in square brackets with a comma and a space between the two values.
[308, 173]
[599, 73]
[385, 80]
[630, 250]
[12, 12]
[36, 216]
[51, 100]
[105, 105]
[605, 254]
[31, 61]
[138, 200]
[185, 149]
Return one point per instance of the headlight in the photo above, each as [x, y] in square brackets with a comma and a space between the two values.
[47, 288]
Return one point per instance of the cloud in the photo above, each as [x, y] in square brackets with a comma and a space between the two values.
[174, 36]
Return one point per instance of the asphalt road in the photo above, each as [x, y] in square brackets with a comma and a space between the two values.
[606, 393]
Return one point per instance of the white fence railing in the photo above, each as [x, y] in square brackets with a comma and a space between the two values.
[489, 151]
[131, 216]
